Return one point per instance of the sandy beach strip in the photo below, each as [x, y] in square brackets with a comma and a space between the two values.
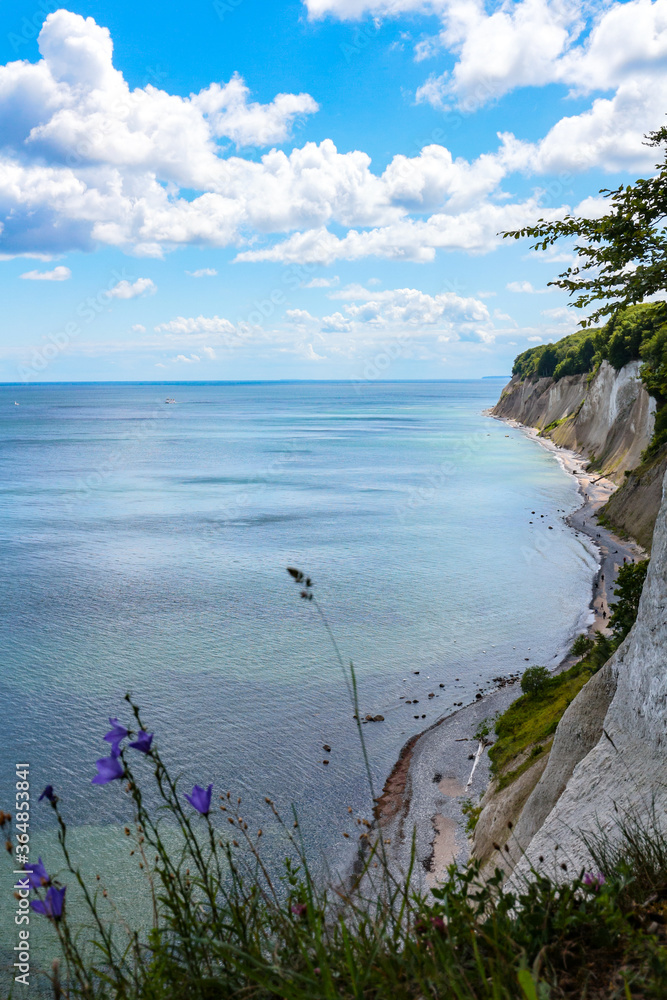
[437, 770]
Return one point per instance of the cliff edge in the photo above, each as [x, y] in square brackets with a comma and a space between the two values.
[625, 771]
[633, 508]
[608, 418]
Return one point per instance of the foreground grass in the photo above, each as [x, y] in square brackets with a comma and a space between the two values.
[234, 935]
[226, 925]
[471, 942]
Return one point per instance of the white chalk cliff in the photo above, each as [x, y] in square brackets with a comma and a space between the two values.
[605, 762]
[609, 419]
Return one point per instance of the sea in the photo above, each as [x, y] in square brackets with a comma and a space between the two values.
[144, 545]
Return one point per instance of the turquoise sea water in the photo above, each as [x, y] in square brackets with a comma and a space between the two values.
[144, 547]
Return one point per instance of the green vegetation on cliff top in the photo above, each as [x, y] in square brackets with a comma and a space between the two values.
[637, 334]
[526, 728]
[621, 261]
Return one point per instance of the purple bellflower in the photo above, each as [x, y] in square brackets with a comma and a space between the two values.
[116, 734]
[143, 741]
[37, 875]
[200, 799]
[52, 904]
[594, 881]
[108, 769]
[47, 794]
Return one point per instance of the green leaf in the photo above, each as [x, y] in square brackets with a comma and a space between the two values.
[527, 985]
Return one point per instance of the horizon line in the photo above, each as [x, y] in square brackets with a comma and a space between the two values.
[251, 381]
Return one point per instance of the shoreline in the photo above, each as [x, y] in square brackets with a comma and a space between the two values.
[595, 490]
[443, 766]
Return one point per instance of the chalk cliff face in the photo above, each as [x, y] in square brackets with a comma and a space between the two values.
[585, 788]
[609, 420]
[633, 508]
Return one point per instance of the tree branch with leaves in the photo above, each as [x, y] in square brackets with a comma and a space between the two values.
[622, 256]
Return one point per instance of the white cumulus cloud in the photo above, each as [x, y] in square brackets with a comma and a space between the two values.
[130, 290]
[413, 321]
[599, 47]
[322, 282]
[198, 324]
[59, 273]
[525, 287]
[88, 161]
[474, 231]
[229, 113]
[498, 47]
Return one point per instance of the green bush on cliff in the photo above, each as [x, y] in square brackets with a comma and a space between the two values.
[535, 680]
[472, 813]
[582, 645]
[532, 719]
[577, 361]
[654, 369]
[629, 332]
[547, 361]
[628, 591]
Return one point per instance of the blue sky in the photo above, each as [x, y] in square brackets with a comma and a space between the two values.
[245, 189]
